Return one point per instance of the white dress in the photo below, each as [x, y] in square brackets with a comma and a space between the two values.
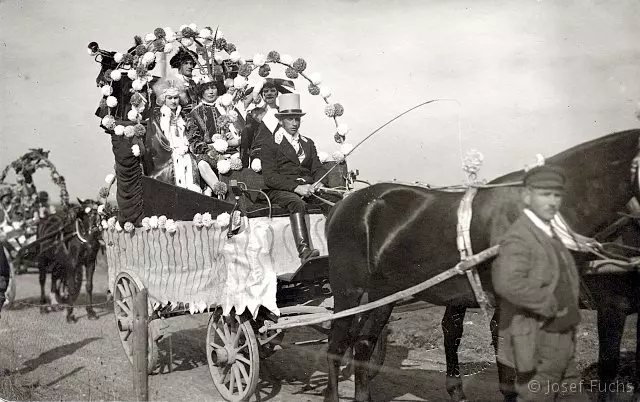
[173, 127]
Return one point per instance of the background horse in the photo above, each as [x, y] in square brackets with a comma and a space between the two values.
[67, 242]
[388, 237]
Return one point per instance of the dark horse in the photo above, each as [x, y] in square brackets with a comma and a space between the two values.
[67, 242]
[388, 237]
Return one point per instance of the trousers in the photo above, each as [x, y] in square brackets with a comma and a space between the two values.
[556, 375]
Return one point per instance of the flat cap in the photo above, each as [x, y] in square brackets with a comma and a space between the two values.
[545, 176]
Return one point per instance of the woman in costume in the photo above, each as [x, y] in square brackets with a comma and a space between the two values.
[168, 129]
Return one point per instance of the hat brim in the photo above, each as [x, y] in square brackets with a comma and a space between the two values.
[285, 114]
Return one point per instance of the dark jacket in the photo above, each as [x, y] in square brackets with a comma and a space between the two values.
[525, 275]
[281, 167]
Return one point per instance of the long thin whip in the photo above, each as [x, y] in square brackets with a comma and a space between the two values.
[317, 183]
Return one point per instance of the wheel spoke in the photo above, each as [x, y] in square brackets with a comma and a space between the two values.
[215, 345]
[245, 345]
[227, 333]
[236, 374]
[243, 359]
[124, 308]
[126, 335]
[123, 293]
[236, 337]
[221, 335]
[231, 383]
[225, 373]
[243, 370]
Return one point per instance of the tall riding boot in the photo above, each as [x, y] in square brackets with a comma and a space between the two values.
[301, 237]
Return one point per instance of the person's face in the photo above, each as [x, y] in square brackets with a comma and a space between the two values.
[291, 124]
[270, 94]
[186, 68]
[544, 202]
[210, 94]
[172, 101]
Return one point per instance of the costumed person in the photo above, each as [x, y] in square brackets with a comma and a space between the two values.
[185, 61]
[7, 220]
[44, 209]
[168, 128]
[261, 120]
[5, 270]
[536, 279]
[290, 166]
[204, 122]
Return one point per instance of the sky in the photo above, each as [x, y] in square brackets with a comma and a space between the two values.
[521, 77]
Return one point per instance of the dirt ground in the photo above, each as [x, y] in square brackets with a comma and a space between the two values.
[44, 358]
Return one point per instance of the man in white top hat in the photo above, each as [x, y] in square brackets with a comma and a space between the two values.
[290, 166]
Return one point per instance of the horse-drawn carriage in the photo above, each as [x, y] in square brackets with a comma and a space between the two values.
[233, 255]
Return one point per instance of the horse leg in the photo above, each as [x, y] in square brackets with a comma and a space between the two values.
[611, 320]
[42, 278]
[90, 268]
[363, 350]
[452, 328]
[506, 374]
[340, 339]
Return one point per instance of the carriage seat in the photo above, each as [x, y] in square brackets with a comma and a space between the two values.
[255, 202]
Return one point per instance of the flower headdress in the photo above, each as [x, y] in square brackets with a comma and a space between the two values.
[166, 87]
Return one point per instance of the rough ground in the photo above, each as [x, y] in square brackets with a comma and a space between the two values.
[44, 358]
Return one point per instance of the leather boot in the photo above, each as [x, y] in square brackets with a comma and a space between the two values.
[301, 237]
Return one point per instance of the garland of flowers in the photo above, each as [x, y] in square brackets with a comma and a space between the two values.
[25, 193]
[213, 48]
[171, 226]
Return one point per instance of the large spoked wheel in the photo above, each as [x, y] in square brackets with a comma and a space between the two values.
[123, 308]
[233, 356]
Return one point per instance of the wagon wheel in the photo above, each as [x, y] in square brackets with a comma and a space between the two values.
[233, 356]
[124, 292]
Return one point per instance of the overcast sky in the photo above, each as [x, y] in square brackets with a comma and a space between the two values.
[527, 77]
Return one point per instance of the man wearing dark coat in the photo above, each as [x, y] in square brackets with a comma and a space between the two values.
[290, 166]
[185, 61]
[537, 282]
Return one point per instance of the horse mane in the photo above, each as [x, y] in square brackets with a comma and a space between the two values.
[612, 148]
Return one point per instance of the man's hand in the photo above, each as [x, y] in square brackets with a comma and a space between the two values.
[304, 190]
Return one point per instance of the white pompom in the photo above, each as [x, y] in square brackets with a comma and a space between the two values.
[112, 101]
[148, 58]
[316, 78]
[118, 57]
[119, 130]
[256, 165]
[106, 90]
[323, 156]
[137, 84]
[223, 166]
[135, 150]
[220, 145]
[226, 99]
[133, 115]
[325, 92]
[170, 35]
[150, 37]
[286, 59]
[168, 48]
[234, 56]
[259, 59]
[110, 177]
[132, 74]
[116, 75]
[219, 34]
[346, 148]
[186, 42]
[205, 33]
[343, 129]
[193, 26]
[239, 82]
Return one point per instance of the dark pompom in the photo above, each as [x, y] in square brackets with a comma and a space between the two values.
[230, 47]
[221, 43]
[264, 71]
[273, 56]
[139, 130]
[339, 109]
[141, 50]
[159, 33]
[245, 70]
[136, 99]
[338, 138]
[188, 32]
[291, 73]
[314, 89]
[299, 65]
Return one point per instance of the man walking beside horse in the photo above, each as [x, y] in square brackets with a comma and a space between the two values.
[537, 281]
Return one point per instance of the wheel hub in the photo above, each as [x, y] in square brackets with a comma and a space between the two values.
[224, 356]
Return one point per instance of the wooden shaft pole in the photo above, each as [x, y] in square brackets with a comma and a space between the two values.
[318, 318]
[141, 346]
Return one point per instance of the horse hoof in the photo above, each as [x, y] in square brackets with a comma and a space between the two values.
[44, 310]
[71, 319]
[91, 315]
